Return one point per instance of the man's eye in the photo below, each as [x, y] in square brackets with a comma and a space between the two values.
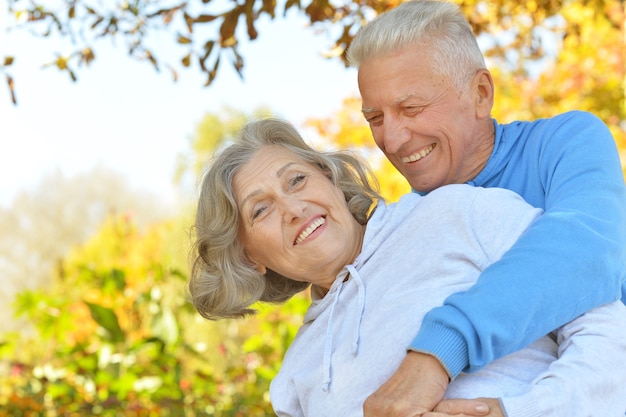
[374, 120]
[413, 110]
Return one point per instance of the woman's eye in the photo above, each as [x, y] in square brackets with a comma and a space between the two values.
[258, 211]
[296, 180]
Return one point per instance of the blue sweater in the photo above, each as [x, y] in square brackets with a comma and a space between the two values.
[571, 260]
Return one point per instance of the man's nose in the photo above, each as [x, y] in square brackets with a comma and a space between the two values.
[395, 135]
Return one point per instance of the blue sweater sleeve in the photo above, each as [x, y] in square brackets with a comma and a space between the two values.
[568, 262]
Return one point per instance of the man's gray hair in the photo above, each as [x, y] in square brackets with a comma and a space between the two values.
[438, 27]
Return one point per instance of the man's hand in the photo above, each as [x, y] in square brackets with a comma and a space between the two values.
[479, 407]
[417, 387]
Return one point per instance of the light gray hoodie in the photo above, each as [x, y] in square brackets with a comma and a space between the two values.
[415, 254]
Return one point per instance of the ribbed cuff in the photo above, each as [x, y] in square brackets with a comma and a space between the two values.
[522, 406]
[446, 344]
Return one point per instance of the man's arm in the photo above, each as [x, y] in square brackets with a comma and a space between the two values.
[569, 261]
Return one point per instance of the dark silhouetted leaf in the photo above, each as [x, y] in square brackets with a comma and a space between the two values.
[204, 18]
[87, 55]
[238, 64]
[213, 72]
[186, 61]
[97, 22]
[11, 85]
[319, 11]
[152, 60]
[252, 33]
[269, 7]
[188, 22]
[183, 39]
[227, 30]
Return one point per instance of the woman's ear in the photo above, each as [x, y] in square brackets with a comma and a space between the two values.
[261, 268]
[258, 266]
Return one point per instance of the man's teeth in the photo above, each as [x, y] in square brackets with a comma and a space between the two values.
[419, 155]
[317, 223]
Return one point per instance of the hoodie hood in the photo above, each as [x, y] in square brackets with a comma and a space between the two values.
[384, 221]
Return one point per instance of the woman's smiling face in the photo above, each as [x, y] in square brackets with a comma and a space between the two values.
[293, 219]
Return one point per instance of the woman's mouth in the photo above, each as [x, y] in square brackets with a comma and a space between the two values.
[307, 232]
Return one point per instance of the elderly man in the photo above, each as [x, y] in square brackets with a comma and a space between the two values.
[427, 96]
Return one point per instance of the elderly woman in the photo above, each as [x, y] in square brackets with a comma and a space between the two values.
[275, 216]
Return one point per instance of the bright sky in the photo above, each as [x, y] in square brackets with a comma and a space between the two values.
[123, 115]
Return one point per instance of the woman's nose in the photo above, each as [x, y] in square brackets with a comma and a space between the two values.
[293, 208]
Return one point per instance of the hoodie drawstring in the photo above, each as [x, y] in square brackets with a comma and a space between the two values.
[361, 304]
[328, 345]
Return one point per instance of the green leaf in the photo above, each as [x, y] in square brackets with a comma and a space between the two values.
[107, 319]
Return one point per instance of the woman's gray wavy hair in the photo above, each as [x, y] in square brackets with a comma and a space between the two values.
[224, 284]
[440, 26]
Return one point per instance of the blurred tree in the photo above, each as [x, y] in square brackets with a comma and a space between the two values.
[212, 133]
[42, 224]
[115, 336]
[206, 31]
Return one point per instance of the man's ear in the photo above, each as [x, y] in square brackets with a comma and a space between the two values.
[484, 93]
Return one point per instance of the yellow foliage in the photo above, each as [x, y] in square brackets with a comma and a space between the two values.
[347, 128]
[139, 260]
